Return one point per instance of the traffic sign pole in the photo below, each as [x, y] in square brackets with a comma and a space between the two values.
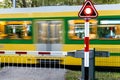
[87, 12]
[86, 50]
[14, 3]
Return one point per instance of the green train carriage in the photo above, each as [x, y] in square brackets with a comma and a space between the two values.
[58, 28]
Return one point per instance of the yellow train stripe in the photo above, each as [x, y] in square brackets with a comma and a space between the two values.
[110, 48]
[56, 14]
[28, 47]
[108, 61]
[27, 59]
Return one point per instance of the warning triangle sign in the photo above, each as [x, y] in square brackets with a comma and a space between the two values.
[88, 10]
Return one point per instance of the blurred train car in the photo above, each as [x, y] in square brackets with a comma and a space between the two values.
[58, 28]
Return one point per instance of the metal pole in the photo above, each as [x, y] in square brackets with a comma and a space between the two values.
[43, 2]
[86, 50]
[14, 3]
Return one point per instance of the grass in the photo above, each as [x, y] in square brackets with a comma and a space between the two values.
[75, 75]
[72, 75]
[107, 75]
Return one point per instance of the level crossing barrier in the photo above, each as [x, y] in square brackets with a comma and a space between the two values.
[49, 59]
[32, 65]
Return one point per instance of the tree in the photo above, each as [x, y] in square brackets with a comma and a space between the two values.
[7, 4]
[37, 3]
[106, 1]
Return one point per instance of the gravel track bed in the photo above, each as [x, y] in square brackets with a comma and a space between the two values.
[26, 73]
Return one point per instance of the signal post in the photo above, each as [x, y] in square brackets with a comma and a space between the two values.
[87, 12]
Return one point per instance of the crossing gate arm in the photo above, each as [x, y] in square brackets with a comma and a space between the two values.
[32, 56]
[80, 53]
[38, 53]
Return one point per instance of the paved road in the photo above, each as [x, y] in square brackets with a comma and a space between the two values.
[23, 73]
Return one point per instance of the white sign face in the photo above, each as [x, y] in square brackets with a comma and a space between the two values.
[88, 11]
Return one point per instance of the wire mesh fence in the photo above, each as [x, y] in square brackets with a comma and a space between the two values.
[106, 68]
[31, 67]
[32, 61]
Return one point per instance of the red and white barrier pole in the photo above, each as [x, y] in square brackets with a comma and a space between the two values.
[86, 50]
[87, 11]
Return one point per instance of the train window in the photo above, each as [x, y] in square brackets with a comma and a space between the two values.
[3, 35]
[109, 32]
[110, 22]
[109, 29]
[49, 31]
[76, 29]
[15, 29]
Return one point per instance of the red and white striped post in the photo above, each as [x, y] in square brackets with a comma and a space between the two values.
[86, 50]
[87, 12]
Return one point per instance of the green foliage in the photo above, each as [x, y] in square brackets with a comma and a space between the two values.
[37, 3]
[106, 1]
[6, 4]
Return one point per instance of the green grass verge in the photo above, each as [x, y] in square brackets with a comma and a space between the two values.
[72, 75]
[75, 75]
[107, 75]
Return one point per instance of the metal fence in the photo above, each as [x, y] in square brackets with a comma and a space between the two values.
[106, 68]
[31, 65]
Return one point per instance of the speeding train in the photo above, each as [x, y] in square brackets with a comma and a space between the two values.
[58, 29]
